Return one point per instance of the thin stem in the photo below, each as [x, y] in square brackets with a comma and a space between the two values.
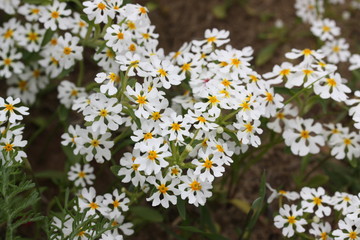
[81, 73]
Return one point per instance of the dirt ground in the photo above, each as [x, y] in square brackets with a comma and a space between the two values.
[178, 21]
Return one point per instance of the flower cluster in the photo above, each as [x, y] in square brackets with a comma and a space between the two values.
[311, 210]
[11, 130]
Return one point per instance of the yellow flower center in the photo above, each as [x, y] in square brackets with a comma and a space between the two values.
[207, 163]
[223, 64]
[336, 49]
[195, 186]
[155, 116]
[135, 167]
[186, 67]
[81, 234]
[116, 203]
[7, 61]
[74, 93]
[132, 47]
[101, 6]
[103, 113]
[9, 33]
[280, 115]
[269, 97]
[347, 141]
[282, 192]
[324, 235]
[81, 174]
[114, 77]
[307, 71]
[67, 50]
[326, 28]
[175, 126]
[236, 62]
[141, 99]
[285, 72]
[201, 119]
[120, 35]
[305, 134]
[162, 188]
[291, 219]
[152, 155]
[8, 147]
[9, 107]
[352, 235]
[245, 106]
[162, 72]
[142, 10]
[33, 36]
[317, 200]
[55, 14]
[22, 85]
[95, 143]
[146, 35]
[346, 199]
[306, 52]
[93, 205]
[219, 148]
[131, 25]
[226, 82]
[213, 100]
[110, 54]
[331, 82]
[82, 24]
[148, 136]
[36, 73]
[211, 39]
[54, 61]
[248, 127]
[53, 41]
[174, 171]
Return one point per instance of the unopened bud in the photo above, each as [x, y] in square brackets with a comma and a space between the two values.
[316, 219]
[219, 130]
[189, 148]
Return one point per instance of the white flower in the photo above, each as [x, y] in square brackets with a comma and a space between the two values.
[10, 111]
[10, 62]
[166, 190]
[67, 50]
[345, 145]
[81, 175]
[98, 9]
[55, 16]
[214, 36]
[11, 145]
[78, 25]
[90, 202]
[332, 87]
[209, 165]
[349, 230]
[281, 118]
[321, 231]
[68, 92]
[104, 114]
[8, 33]
[175, 171]
[303, 136]
[176, 127]
[195, 190]
[247, 130]
[130, 170]
[95, 145]
[290, 219]
[30, 37]
[336, 51]
[309, 55]
[325, 29]
[309, 10]
[312, 197]
[281, 193]
[30, 12]
[355, 62]
[115, 203]
[108, 82]
[106, 60]
[153, 159]
[341, 201]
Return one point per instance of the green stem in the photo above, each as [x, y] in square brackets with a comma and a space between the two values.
[120, 94]
[184, 154]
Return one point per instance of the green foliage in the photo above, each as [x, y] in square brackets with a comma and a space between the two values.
[17, 200]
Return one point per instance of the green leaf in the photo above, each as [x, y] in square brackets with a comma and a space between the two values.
[38, 2]
[317, 181]
[241, 204]
[181, 208]
[63, 113]
[266, 54]
[50, 174]
[47, 37]
[146, 213]
[115, 169]
[190, 229]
